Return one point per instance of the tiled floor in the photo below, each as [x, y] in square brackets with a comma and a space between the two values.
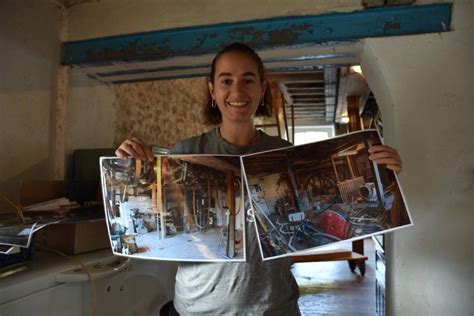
[330, 288]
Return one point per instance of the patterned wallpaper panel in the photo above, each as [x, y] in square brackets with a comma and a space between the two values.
[160, 112]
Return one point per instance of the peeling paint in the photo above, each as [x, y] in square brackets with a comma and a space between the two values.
[388, 26]
[132, 49]
[261, 34]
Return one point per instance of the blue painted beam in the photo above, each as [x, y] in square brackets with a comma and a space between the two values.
[260, 34]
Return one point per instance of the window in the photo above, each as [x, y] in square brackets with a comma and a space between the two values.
[309, 134]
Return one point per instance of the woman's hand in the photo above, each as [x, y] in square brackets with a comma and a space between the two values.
[385, 155]
[135, 148]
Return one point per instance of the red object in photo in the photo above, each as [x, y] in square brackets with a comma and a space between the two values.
[335, 223]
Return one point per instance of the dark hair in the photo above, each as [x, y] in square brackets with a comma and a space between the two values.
[212, 115]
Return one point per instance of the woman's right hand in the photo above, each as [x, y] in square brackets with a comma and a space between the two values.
[135, 148]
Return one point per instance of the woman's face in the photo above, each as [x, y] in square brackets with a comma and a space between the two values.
[237, 88]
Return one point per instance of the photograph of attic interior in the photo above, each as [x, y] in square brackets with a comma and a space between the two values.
[320, 193]
[179, 208]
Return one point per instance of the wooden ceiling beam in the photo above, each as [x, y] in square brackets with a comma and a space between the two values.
[211, 162]
[310, 102]
[305, 85]
[299, 104]
[305, 92]
[307, 97]
[309, 113]
[297, 77]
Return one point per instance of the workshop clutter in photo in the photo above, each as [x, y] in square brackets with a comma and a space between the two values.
[312, 195]
[183, 208]
[191, 207]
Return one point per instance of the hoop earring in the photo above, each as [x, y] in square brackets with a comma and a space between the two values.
[262, 102]
[213, 103]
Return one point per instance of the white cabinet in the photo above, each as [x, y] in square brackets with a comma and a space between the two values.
[54, 285]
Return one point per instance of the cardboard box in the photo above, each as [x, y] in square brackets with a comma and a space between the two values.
[71, 238]
[75, 238]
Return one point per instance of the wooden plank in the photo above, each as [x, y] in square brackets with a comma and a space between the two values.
[353, 113]
[212, 162]
[230, 199]
[304, 116]
[261, 34]
[286, 95]
[296, 104]
[299, 115]
[310, 89]
[335, 169]
[310, 101]
[351, 169]
[309, 98]
[306, 91]
[358, 246]
[309, 113]
[332, 255]
[311, 107]
[159, 197]
[293, 123]
[317, 110]
[298, 77]
[277, 103]
[285, 119]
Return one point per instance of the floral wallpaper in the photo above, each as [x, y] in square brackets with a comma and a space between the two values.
[160, 112]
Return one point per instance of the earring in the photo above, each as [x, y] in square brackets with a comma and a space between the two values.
[262, 102]
[213, 103]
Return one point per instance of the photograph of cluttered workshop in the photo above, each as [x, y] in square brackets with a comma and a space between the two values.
[180, 208]
[308, 196]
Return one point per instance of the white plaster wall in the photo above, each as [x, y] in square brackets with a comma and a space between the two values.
[88, 20]
[90, 113]
[29, 59]
[29, 62]
[424, 85]
[130, 16]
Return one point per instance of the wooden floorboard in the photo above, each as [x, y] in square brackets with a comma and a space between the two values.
[330, 288]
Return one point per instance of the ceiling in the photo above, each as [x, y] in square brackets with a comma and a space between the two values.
[309, 95]
[306, 76]
[302, 53]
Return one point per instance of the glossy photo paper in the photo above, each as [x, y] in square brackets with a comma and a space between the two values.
[181, 208]
[308, 196]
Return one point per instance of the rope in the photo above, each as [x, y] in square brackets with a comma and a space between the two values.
[18, 207]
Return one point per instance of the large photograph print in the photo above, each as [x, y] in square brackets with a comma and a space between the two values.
[308, 196]
[179, 208]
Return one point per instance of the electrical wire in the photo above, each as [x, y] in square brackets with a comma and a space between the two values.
[18, 207]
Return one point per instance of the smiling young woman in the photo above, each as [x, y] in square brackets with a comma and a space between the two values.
[237, 92]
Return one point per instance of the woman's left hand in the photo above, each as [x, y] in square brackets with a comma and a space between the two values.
[385, 155]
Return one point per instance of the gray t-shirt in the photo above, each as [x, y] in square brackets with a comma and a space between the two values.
[235, 288]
